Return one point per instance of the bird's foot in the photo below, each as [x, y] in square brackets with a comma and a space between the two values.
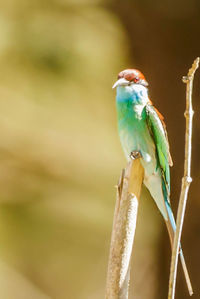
[135, 155]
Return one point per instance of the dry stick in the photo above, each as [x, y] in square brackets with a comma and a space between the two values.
[186, 180]
[124, 224]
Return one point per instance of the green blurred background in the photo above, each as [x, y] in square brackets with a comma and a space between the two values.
[60, 156]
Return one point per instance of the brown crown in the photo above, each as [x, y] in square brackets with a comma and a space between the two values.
[133, 75]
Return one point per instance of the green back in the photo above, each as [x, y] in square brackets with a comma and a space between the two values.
[157, 129]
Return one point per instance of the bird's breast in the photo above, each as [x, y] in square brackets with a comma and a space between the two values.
[134, 134]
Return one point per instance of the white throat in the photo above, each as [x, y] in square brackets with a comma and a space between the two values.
[136, 93]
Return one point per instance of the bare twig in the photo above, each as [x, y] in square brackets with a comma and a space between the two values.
[186, 180]
[124, 224]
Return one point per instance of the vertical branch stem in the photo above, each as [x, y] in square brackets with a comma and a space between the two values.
[124, 224]
[186, 180]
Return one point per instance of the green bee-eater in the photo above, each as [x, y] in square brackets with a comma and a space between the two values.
[141, 128]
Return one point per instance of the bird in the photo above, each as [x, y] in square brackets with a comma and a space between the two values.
[142, 129]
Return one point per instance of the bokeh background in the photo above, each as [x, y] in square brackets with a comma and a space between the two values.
[60, 156]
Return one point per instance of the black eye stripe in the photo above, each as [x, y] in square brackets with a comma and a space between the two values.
[135, 79]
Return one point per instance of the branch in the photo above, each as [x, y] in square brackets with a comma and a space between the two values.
[124, 224]
[186, 180]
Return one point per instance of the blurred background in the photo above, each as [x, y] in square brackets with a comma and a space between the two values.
[60, 155]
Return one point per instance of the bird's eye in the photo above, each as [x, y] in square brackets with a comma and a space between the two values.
[136, 79]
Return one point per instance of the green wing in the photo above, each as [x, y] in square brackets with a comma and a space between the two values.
[157, 129]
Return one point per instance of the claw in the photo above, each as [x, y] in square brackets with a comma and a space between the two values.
[135, 155]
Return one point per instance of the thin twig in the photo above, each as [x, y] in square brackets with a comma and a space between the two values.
[124, 224]
[186, 180]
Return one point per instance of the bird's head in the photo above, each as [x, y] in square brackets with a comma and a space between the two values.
[130, 77]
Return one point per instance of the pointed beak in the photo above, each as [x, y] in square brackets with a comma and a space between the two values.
[121, 82]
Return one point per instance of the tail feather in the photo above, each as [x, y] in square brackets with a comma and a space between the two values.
[171, 227]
